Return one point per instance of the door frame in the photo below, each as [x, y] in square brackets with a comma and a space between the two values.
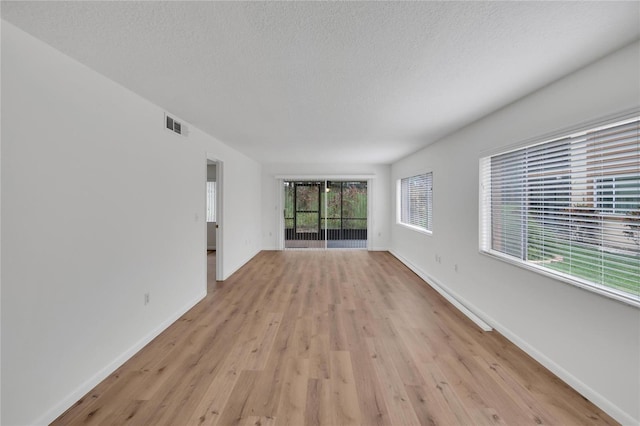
[219, 217]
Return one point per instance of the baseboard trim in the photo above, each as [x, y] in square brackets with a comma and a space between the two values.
[453, 298]
[92, 382]
[228, 273]
[596, 398]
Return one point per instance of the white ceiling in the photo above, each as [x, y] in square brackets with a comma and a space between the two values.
[331, 81]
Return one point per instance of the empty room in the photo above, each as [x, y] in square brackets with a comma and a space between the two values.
[320, 213]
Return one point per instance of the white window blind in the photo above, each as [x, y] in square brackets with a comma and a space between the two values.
[569, 207]
[211, 201]
[416, 201]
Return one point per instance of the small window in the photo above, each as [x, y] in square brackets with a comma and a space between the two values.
[415, 202]
[569, 207]
[211, 201]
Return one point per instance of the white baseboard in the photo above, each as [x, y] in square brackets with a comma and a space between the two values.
[462, 305]
[92, 382]
[379, 249]
[600, 401]
[231, 271]
[603, 403]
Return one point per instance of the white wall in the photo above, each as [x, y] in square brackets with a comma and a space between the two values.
[591, 341]
[100, 205]
[380, 207]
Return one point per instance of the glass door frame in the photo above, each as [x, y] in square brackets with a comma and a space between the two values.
[279, 182]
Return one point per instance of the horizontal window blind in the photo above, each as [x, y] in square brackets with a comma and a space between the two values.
[570, 206]
[416, 201]
[211, 201]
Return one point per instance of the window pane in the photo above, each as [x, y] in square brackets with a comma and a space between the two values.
[354, 205]
[289, 188]
[211, 201]
[570, 205]
[307, 197]
[416, 196]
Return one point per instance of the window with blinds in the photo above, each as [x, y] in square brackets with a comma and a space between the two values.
[569, 207]
[211, 201]
[415, 201]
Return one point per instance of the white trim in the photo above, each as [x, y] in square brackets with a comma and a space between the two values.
[415, 228]
[108, 369]
[369, 212]
[575, 383]
[398, 197]
[457, 301]
[565, 278]
[240, 265]
[280, 215]
[220, 273]
[326, 177]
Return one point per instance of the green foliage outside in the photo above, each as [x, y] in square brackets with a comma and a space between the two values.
[353, 204]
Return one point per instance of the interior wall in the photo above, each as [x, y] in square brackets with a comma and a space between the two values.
[590, 341]
[100, 205]
[380, 210]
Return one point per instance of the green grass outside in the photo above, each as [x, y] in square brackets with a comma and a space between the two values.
[616, 270]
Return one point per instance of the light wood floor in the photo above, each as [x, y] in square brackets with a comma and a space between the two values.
[329, 338]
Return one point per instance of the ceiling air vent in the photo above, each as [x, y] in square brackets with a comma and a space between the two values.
[174, 125]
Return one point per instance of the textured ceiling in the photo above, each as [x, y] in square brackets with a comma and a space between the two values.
[331, 81]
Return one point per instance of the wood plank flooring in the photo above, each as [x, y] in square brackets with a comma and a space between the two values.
[329, 338]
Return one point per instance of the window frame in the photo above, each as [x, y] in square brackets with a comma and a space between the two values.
[428, 229]
[484, 213]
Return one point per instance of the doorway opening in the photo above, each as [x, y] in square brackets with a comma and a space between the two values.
[211, 220]
[325, 214]
[213, 213]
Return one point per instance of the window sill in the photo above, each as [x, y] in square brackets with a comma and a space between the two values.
[415, 228]
[567, 279]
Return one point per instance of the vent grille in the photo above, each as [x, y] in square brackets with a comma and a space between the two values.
[174, 125]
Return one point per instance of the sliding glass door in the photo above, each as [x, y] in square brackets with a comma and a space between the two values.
[325, 214]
